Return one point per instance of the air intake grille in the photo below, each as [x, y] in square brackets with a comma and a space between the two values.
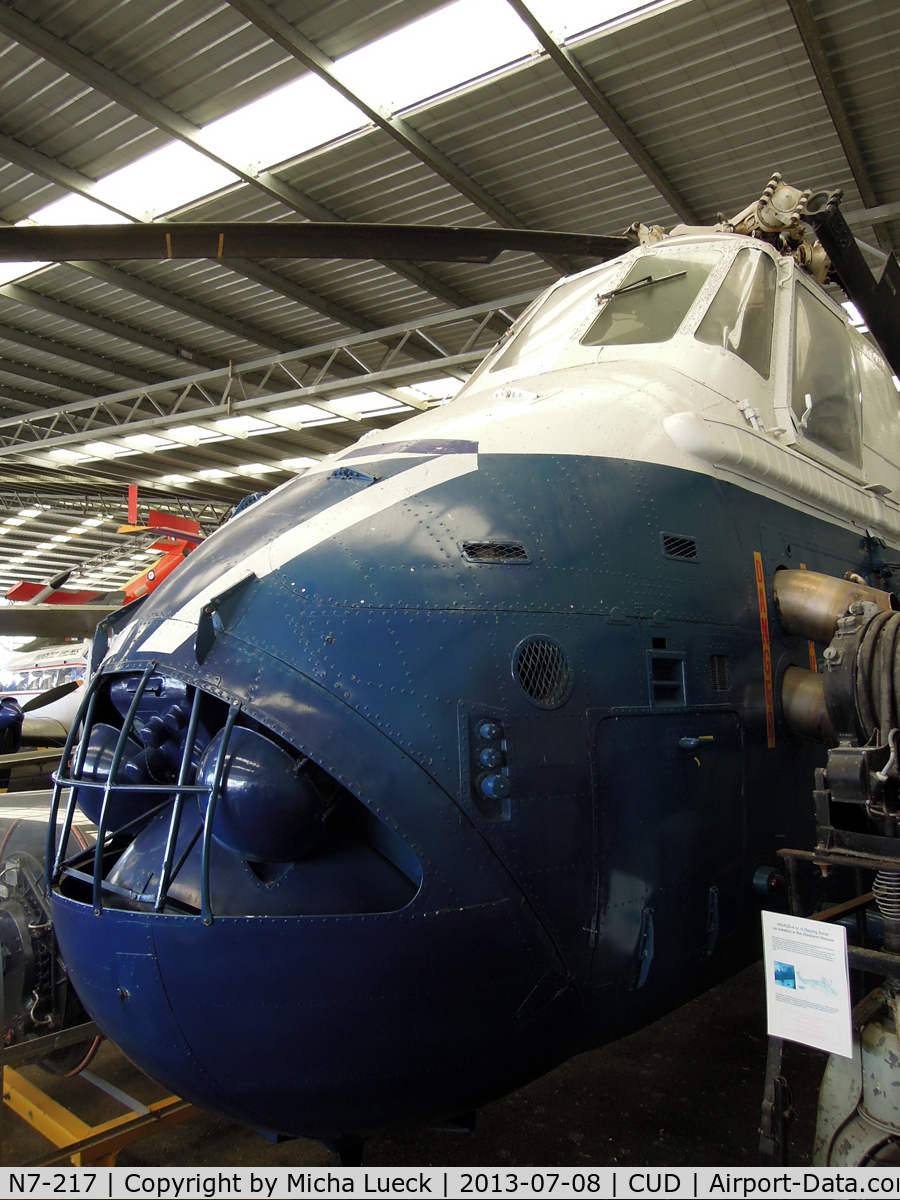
[541, 668]
[494, 552]
[719, 672]
[677, 546]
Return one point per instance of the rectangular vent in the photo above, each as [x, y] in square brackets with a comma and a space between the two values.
[719, 672]
[494, 552]
[675, 545]
[667, 682]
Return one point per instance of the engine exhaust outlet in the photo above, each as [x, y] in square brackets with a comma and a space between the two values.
[809, 604]
[803, 700]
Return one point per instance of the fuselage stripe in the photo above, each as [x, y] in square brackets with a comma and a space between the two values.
[767, 650]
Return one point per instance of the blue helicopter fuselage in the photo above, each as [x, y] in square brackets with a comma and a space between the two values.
[518, 642]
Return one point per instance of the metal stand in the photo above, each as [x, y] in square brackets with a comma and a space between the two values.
[777, 1110]
[76, 1141]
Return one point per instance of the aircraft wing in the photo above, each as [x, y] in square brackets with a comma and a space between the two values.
[53, 620]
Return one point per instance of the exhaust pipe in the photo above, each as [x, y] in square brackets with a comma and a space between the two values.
[803, 700]
[809, 604]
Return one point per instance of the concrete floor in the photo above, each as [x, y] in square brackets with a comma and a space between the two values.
[683, 1092]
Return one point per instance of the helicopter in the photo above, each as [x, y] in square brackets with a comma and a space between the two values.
[471, 747]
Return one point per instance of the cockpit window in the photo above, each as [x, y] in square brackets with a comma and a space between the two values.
[653, 299]
[552, 323]
[741, 316]
[825, 389]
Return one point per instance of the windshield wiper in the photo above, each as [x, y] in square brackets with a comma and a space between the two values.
[647, 281]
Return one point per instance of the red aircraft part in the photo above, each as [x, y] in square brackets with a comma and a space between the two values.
[27, 591]
[175, 554]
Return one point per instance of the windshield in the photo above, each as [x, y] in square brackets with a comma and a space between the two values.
[653, 299]
[741, 317]
[824, 390]
[553, 322]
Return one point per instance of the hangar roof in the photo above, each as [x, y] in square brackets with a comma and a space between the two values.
[572, 114]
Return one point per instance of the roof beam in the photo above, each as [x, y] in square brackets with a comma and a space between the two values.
[590, 92]
[91, 503]
[220, 388]
[303, 295]
[23, 403]
[818, 60]
[189, 308]
[47, 45]
[82, 316]
[9, 366]
[48, 168]
[306, 52]
[20, 337]
[82, 67]
[869, 216]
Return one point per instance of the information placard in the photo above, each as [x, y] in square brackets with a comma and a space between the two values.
[808, 982]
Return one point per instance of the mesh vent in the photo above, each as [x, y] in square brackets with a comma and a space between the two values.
[494, 552]
[677, 546]
[541, 668]
[719, 672]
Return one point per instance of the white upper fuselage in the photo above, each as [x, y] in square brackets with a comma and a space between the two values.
[686, 401]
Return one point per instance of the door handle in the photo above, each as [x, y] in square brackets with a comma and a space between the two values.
[692, 743]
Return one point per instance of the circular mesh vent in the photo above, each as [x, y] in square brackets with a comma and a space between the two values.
[541, 668]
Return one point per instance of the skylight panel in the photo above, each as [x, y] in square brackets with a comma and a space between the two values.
[305, 113]
[304, 414]
[75, 210]
[163, 180]
[298, 464]
[67, 456]
[257, 468]
[147, 443]
[567, 18]
[235, 426]
[370, 404]
[444, 388]
[193, 435]
[429, 56]
[11, 270]
[108, 449]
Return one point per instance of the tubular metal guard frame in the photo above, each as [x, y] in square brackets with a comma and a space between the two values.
[174, 797]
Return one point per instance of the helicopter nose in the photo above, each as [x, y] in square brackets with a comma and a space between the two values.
[390, 971]
[325, 1027]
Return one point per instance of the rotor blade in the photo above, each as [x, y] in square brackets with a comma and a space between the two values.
[876, 299]
[50, 696]
[53, 620]
[294, 239]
